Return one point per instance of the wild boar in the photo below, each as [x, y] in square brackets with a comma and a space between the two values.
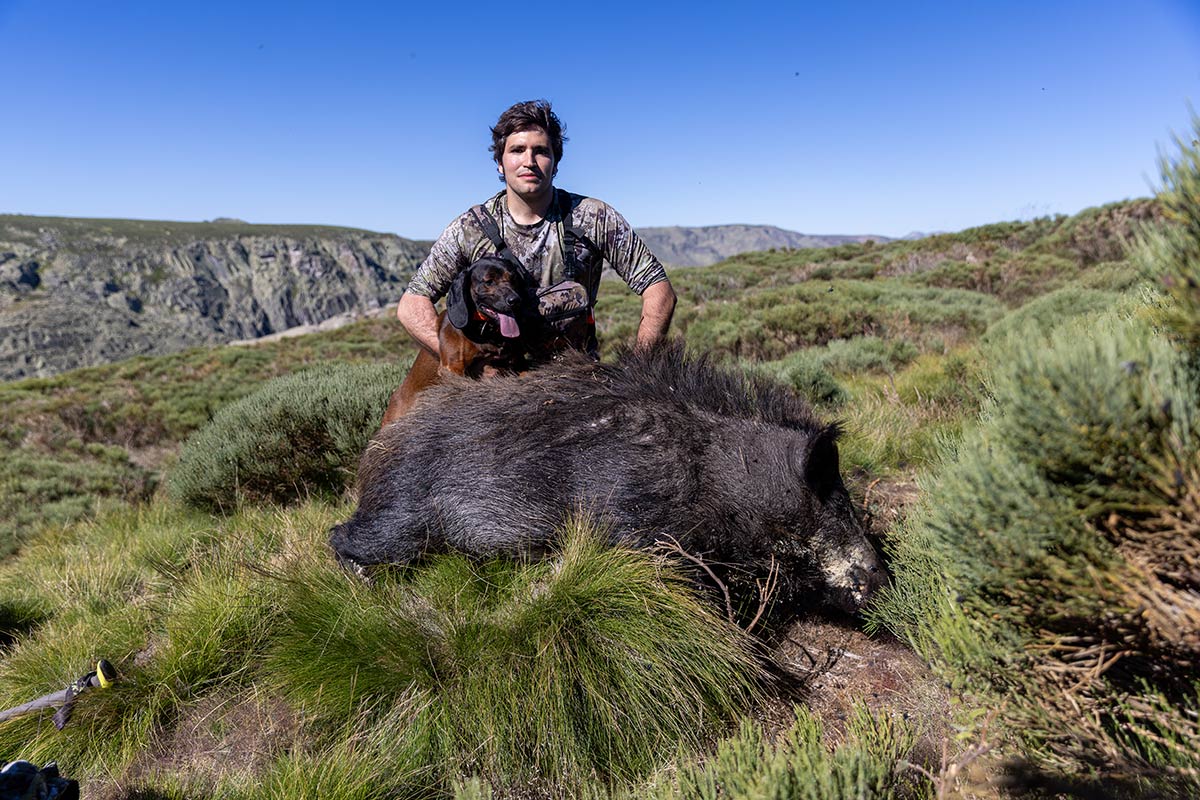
[660, 445]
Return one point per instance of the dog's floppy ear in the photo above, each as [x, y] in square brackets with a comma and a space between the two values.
[458, 300]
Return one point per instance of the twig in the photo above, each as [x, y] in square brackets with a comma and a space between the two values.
[943, 782]
[765, 593]
[673, 546]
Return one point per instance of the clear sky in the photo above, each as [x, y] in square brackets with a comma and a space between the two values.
[864, 117]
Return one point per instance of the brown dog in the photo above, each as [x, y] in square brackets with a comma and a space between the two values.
[489, 326]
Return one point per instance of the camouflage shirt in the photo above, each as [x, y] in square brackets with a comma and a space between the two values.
[540, 247]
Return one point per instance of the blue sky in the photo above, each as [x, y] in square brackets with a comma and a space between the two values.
[843, 118]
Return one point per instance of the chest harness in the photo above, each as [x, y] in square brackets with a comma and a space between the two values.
[565, 307]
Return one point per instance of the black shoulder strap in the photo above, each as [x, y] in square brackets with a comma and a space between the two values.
[571, 235]
[492, 231]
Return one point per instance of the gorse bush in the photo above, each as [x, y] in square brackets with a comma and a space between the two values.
[1054, 554]
[298, 435]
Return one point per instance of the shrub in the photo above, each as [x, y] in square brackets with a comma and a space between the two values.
[1037, 318]
[866, 354]
[803, 372]
[1052, 560]
[864, 766]
[299, 434]
[1048, 556]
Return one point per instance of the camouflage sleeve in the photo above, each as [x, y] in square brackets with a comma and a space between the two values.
[625, 251]
[446, 258]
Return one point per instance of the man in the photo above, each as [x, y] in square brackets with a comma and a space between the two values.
[527, 145]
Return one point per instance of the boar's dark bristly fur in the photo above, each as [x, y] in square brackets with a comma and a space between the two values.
[737, 470]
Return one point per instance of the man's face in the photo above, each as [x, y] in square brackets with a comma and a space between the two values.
[527, 164]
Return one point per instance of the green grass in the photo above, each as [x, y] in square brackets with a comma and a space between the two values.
[597, 665]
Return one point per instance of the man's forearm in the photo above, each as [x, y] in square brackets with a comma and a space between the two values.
[658, 305]
[418, 316]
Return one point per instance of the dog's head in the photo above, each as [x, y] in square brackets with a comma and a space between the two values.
[490, 290]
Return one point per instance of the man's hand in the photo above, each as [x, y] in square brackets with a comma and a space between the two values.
[417, 315]
[658, 304]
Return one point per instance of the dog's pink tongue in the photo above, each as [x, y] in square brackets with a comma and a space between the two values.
[508, 326]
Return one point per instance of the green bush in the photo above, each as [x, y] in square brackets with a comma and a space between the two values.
[869, 354]
[298, 435]
[1037, 318]
[866, 765]
[1051, 562]
[806, 376]
[1048, 556]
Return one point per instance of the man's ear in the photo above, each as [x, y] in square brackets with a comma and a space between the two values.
[458, 300]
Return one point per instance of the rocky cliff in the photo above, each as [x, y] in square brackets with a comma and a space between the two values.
[83, 292]
[80, 292]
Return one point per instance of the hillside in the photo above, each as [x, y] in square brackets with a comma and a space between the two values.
[252, 667]
[702, 246]
[107, 431]
[82, 292]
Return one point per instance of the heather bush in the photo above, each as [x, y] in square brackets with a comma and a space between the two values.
[298, 435]
[1052, 561]
[1037, 318]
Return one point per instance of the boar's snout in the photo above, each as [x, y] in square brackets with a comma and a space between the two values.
[856, 586]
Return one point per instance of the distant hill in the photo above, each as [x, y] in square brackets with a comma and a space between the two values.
[83, 292]
[700, 247]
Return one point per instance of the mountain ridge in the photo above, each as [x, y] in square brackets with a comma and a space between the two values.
[702, 246]
[83, 291]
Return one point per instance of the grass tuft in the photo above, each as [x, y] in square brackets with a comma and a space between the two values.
[597, 663]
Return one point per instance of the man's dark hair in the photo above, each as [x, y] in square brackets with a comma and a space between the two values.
[524, 116]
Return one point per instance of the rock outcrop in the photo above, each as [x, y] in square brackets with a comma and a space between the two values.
[81, 292]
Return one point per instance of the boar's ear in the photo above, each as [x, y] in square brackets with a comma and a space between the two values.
[458, 308]
[821, 470]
